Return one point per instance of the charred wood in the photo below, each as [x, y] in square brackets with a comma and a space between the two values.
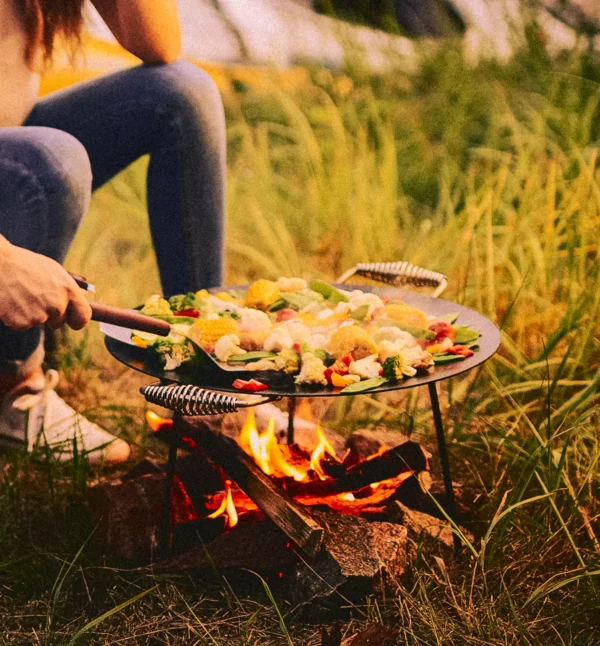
[290, 517]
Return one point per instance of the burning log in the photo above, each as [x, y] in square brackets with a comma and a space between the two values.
[405, 458]
[297, 524]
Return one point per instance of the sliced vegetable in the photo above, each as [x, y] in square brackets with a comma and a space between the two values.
[277, 305]
[464, 335]
[328, 291]
[367, 384]
[447, 358]
[188, 313]
[417, 332]
[451, 317]
[250, 386]
[461, 350]
[247, 357]
[297, 301]
[360, 313]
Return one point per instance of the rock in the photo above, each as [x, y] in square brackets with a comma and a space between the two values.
[427, 532]
[364, 443]
[127, 515]
[357, 558]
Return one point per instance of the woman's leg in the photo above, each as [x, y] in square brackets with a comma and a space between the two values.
[45, 187]
[174, 113]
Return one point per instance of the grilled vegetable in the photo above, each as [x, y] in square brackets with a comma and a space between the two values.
[328, 291]
[207, 332]
[247, 357]
[393, 367]
[261, 294]
[367, 384]
[182, 302]
[352, 338]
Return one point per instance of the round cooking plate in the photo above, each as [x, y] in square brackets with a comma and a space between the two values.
[137, 358]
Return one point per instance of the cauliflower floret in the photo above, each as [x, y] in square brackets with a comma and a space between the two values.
[317, 341]
[157, 305]
[219, 305]
[252, 321]
[288, 361]
[417, 357]
[313, 370]
[394, 334]
[299, 332]
[278, 339]
[366, 368]
[324, 314]
[178, 354]
[358, 298]
[389, 349]
[291, 284]
[227, 346]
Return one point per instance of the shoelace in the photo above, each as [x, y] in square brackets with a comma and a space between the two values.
[30, 400]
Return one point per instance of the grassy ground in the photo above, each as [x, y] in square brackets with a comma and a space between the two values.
[488, 175]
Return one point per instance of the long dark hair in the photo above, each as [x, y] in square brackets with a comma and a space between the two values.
[44, 20]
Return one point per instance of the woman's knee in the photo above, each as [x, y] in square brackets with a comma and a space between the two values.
[52, 181]
[189, 91]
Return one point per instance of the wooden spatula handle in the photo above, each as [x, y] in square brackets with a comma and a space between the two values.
[127, 318]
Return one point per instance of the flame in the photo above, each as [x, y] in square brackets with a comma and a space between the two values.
[156, 422]
[226, 508]
[273, 459]
[322, 449]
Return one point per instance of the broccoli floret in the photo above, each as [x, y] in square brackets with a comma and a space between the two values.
[171, 355]
[393, 367]
[181, 302]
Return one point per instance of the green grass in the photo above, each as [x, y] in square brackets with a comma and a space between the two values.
[489, 175]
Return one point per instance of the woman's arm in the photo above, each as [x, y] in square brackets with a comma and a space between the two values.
[149, 29]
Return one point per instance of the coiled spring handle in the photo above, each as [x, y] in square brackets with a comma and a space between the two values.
[398, 273]
[192, 400]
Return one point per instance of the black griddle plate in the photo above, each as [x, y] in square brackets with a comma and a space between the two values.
[284, 386]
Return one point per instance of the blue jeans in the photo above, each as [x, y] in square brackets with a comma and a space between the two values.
[77, 139]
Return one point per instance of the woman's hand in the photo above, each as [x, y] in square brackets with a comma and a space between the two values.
[35, 290]
[149, 29]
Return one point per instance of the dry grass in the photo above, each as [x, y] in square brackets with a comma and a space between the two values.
[489, 175]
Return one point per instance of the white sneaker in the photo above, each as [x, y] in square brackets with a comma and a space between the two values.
[33, 414]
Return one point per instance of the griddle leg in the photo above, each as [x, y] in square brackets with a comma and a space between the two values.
[291, 402]
[164, 538]
[441, 439]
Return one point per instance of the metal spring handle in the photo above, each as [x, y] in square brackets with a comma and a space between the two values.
[192, 400]
[398, 273]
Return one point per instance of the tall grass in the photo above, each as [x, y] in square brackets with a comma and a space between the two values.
[489, 175]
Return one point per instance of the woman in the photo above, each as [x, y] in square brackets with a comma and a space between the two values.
[56, 151]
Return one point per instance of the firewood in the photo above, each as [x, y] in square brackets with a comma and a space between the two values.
[401, 459]
[290, 517]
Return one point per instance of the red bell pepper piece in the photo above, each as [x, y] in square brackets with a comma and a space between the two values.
[192, 313]
[460, 350]
[442, 329]
[251, 386]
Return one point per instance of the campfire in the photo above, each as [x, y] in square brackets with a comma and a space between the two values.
[318, 477]
[334, 513]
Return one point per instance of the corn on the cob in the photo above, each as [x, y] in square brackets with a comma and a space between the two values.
[406, 315]
[261, 294]
[207, 332]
